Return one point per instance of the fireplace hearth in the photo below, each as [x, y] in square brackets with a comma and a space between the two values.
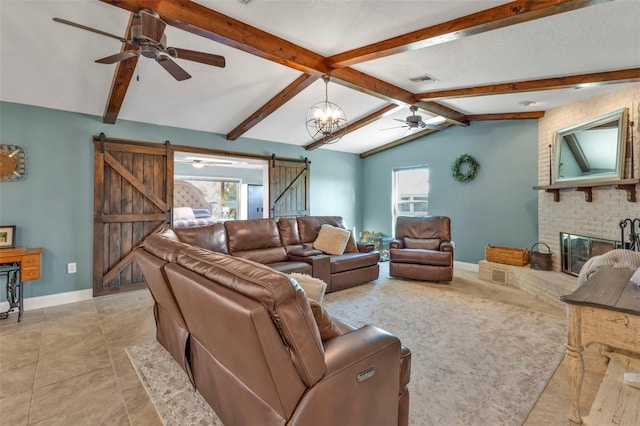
[577, 249]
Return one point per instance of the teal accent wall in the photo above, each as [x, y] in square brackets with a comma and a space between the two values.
[53, 206]
[498, 207]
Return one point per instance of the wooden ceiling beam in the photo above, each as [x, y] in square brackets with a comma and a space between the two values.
[352, 127]
[501, 16]
[507, 116]
[120, 83]
[365, 83]
[197, 19]
[567, 82]
[398, 142]
[286, 94]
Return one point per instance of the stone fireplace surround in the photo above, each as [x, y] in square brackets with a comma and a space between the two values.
[599, 218]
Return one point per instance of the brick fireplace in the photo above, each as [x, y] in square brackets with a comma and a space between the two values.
[600, 218]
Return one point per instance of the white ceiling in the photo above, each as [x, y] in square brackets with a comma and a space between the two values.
[49, 64]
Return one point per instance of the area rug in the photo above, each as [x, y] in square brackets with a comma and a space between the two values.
[474, 361]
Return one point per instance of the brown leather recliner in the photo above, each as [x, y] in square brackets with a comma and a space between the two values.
[422, 248]
[256, 354]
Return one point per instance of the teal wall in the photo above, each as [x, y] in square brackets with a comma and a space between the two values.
[498, 207]
[53, 206]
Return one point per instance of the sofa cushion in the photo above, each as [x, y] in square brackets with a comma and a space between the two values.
[422, 243]
[164, 244]
[423, 227]
[350, 261]
[331, 240]
[255, 239]
[212, 237]
[327, 328]
[252, 234]
[309, 226]
[422, 257]
[314, 288]
[288, 227]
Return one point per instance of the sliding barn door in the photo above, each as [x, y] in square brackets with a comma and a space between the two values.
[289, 183]
[133, 186]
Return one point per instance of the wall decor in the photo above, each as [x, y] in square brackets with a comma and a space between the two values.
[7, 236]
[471, 164]
[593, 150]
[13, 163]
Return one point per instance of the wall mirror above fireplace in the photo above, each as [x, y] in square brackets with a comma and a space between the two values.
[592, 151]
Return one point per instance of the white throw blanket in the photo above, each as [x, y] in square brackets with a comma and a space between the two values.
[618, 258]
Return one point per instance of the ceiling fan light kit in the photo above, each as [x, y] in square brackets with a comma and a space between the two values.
[326, 121]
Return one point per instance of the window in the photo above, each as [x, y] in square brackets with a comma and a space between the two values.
[410, 192]
[222, 195]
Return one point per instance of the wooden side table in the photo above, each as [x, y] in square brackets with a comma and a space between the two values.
[606, 310]
[19, 265]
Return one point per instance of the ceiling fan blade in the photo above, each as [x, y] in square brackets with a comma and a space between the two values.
[152, 26]
[203, 58]
[435, 127]
[172, 68]
[93, 30]
[402, 121]
[396, 127]
[120, 56]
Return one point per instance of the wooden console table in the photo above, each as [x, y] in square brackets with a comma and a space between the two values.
[19, 265]
[606, 310]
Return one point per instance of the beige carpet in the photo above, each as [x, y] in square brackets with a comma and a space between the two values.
[474, 361]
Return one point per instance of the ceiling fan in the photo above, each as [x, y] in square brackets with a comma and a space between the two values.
[198, 162]
[147, 35]
[414, 121]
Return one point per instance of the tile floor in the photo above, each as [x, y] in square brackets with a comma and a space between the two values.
[66, 365]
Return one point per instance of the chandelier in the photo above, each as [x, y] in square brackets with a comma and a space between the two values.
[326, 121]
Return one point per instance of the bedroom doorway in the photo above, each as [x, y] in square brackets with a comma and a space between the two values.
[216, 188]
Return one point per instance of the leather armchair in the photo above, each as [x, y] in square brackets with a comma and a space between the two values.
[422, 249]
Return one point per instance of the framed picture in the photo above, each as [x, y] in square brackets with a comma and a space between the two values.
[7, 236]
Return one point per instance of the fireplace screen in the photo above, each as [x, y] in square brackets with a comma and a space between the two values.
[577, 249]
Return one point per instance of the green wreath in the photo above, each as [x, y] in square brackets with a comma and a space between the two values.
[472, 168]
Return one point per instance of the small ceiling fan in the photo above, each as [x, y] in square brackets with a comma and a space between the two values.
[147, 34]
[199, 162]
[414, 121]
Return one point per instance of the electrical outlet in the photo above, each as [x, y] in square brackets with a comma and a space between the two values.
[71, 268]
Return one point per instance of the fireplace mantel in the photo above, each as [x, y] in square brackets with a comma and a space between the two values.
[628, 185]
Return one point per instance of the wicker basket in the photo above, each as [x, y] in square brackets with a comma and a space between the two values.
[507, 255]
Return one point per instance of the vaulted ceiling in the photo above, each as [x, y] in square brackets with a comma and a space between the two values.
[488, 60]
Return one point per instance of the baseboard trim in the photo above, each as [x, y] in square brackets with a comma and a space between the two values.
[465, 266]
[49, 300]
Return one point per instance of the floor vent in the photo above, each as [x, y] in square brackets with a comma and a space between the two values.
[498, 276]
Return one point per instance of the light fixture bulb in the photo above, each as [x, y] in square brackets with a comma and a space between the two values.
[326, 121]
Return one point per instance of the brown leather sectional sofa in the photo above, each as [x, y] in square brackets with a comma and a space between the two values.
[246, 336]
[286, 245]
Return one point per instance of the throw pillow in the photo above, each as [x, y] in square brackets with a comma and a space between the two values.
[327, 328]
[183, 213]
[351, 245]
[331, 240]
[422, 243]
[314, 288]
